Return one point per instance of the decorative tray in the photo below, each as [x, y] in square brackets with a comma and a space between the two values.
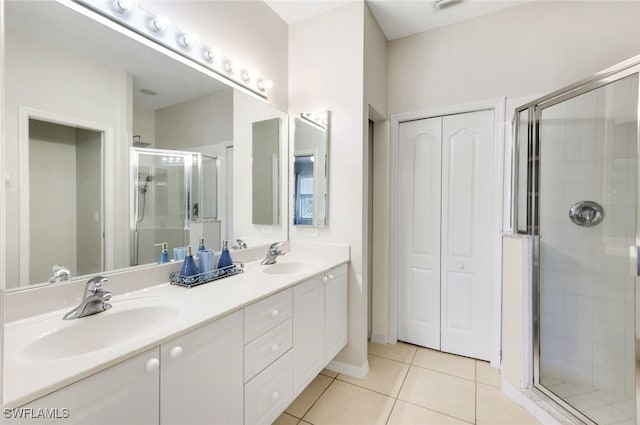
[176, 278]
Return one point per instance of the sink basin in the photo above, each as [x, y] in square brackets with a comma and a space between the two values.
[97, 332]
[291, 267]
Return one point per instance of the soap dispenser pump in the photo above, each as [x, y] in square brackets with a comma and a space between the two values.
[225, 257]
[164, 254]
[189, 267]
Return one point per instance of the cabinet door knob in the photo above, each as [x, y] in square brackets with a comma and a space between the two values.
[152, 365]
[325, 279]
[331, 276]
[461, 266]
[275, 395]
[275, 313]
[275, 347]
[175, 352]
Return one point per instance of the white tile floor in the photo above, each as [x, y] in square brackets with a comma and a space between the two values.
[408, 385]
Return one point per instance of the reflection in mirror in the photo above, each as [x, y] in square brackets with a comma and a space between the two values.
[266, 172]
[104, 86]
[64, 205]
[168, 188]
[311, 139]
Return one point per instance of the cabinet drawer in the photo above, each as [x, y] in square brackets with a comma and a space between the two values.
[268, 394]
[262, 351]
[266, 315]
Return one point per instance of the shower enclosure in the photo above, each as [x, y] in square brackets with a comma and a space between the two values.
[576, 184]
[171, 191]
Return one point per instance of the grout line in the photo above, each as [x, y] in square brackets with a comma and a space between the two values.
[475, 393]
[316, 400]
[444, 373]
[368, 389]
[395, 400]
[388, 358]
[435, 411]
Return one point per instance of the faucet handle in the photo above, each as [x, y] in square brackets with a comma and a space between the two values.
[95, 283]
[274, 246]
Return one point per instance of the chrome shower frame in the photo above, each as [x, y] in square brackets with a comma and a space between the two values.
[533, 110]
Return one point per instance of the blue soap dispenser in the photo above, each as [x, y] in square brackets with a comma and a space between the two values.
[164, 254]
[201, 247]
[189, 267]
[225, 257]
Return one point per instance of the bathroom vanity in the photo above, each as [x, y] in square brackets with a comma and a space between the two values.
[234, 351]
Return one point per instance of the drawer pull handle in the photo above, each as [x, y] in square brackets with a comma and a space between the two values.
[275, 347]
[331, 276]
[275, 313]
[175, 352]
[152, 365]
[325, 279]
[275, 395]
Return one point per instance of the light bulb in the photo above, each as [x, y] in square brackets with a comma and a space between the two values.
[126, 5]
[161, 23]
[228, 66]
[264, 85]
[212, 54]
[246, 75]
[189, 40]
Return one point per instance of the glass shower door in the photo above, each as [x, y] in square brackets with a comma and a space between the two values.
[586, 210]
[160, 202]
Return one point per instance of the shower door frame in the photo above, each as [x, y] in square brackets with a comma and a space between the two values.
[534, 110]
[134, 194]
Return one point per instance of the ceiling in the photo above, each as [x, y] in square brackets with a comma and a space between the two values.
[397, 18]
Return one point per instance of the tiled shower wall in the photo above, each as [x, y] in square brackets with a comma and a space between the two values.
[588, 152]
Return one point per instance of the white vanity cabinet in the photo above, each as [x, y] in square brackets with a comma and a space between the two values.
[319, 324]
[201, 375]
[127, 393]
[268, 364]
[336, 319]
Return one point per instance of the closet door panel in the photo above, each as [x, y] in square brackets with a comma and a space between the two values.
[419, 232]
[467, 158]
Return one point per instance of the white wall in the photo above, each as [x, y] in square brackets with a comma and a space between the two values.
[203, 121]
[326, 72]
[246, 111]
[247, 31]
[144, 124]
[534, 48]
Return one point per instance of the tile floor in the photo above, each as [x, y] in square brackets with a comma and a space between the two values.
[408, 385]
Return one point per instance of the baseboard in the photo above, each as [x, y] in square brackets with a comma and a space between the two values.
[378, 338]
[348, 369]
[535, 405]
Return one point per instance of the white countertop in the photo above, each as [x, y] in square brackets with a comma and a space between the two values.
[28, 378]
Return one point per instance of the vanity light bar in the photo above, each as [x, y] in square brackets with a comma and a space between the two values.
[160, 30]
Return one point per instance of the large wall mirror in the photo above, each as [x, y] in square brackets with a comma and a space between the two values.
[113, 147]
[310, 166]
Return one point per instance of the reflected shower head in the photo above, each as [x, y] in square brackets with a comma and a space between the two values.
[147, 180]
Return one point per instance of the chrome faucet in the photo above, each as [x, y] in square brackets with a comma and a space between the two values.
[240, 244]
[94, 299]
[273, 253]
[59, 274]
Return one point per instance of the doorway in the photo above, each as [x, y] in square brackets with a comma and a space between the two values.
[446, 184]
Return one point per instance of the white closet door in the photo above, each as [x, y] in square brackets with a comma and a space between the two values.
[419, 232]
[467, 186]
